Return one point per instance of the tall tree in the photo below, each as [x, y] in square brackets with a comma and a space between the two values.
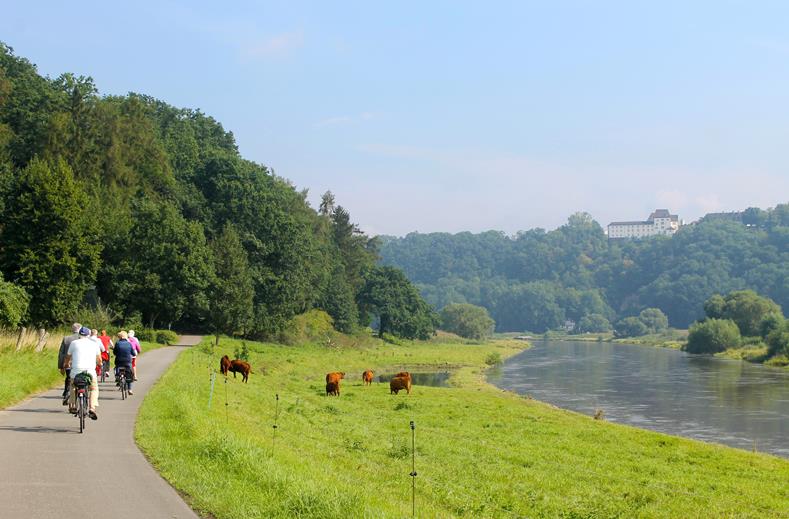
[232, 294]
[50, 243]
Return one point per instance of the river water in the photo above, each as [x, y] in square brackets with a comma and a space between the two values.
[731, 402]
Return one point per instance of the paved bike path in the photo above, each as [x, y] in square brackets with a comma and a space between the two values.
[50, 470]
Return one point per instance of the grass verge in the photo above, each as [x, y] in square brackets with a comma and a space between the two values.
[26, 372]
[481, 452]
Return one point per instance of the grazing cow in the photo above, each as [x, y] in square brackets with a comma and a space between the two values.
[333, 388]
[367, 377]
[239, 366]
[398, 383]
[224, 365]
[333, 382]
[335, 376]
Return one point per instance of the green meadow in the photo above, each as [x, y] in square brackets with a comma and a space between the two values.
[480, 451]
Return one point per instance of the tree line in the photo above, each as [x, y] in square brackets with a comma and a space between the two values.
[150, 210]
[540, 280]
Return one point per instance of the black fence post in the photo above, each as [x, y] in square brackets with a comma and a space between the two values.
[276, 418]
[413, 469]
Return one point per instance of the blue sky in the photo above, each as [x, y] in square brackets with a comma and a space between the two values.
[452, 116]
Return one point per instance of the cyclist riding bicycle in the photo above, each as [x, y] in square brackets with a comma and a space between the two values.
[83, 356]
[106, 341]
[124, 354]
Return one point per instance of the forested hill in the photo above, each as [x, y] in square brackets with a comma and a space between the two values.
[537, 279]
[151, 210]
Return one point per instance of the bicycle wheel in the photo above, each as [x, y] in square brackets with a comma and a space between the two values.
[124, 387]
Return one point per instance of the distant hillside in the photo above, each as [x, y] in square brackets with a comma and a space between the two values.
[537, 280]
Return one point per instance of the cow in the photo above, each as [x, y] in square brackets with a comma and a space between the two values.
[239, 366]
[398, 383]
[333, 388]
[224, 365]
[333, 382]
[335, 376]
[367, 377]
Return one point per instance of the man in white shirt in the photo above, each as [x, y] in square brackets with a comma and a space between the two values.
[84, 355]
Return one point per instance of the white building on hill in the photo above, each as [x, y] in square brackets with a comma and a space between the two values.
[659, 223]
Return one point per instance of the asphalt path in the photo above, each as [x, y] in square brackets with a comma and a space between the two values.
[50, 470]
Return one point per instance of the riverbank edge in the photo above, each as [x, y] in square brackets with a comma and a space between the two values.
[753, 355]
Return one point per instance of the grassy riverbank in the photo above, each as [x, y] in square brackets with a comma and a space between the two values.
[481, 452]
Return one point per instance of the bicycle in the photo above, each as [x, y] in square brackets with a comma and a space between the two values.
[105, 370]
[82, 387]
[123, 383]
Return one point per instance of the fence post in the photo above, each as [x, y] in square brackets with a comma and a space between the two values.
[42, 339]
[413, 470]
[22, 332]
[211, 393]
[275, 426]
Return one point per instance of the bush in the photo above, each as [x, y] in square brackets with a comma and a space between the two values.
[654, 319]
[314, 325]
[13, 304]
[166, 337]
[593, 323]
[469, 321]
[144, 334]
[712, 336]
[778, 340]
[242, 353]
[630, 327]
[493, 359]
[99, 318]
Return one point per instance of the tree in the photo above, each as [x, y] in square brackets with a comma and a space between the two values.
[744, 307]
[712, 336]
[469, 321]
[163, 267]
[50, 244]
[13, 304]
[778, 340]
[630, 327]
[232, 293]
[593, 323]
[388, 295]
[655, 320]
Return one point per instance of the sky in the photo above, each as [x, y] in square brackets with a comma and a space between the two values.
[460, 116]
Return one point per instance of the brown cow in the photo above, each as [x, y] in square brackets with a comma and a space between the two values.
[224, 365]
[333, 382]
[335, 376]
[239, 366]
[398, 383]
[367, 377]
[333, 388]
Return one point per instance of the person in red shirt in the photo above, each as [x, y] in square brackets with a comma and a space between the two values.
[106, 341]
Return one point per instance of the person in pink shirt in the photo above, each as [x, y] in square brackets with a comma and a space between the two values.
[136, 345]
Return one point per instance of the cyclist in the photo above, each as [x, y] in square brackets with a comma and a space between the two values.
[106, 341]
[136, 345]
[84, 355]
[124, 355]
[94, 336]
[64, 344]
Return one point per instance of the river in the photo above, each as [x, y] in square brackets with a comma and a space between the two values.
[731, 402]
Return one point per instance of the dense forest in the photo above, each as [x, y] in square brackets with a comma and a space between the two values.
[538, 280]
[149, 211]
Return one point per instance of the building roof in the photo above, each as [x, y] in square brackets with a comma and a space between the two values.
[630, 223]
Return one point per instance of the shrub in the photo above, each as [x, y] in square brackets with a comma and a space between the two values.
[712, 336]
[654, 319]
[100, 318]
[13, 304]
[778, 340]
[166, 337]
[144, 334]
[493, 359]
[314, 325]
[630, 327]
[242, 353]
[469, 321]
[593, 323]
